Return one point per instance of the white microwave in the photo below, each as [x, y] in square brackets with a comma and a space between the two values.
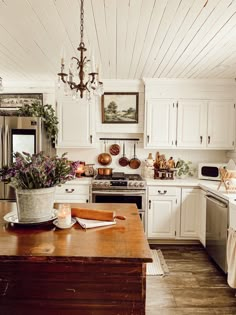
[210, 171]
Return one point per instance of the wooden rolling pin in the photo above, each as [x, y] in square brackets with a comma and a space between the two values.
[101, 215]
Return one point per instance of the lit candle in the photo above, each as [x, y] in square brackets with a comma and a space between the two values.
[62, 55]
[93, 65]
[64, 215]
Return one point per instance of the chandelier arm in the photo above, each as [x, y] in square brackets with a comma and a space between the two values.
[75, 59]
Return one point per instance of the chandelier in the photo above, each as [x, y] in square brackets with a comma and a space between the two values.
[88, 77]
[1, 85]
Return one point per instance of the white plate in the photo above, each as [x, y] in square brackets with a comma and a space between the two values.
[12, 217]
[55, 222]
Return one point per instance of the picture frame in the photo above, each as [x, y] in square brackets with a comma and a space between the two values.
[120, 108]
[16, 100]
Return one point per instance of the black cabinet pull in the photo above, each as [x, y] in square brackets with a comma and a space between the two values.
[69, 191]
[162, 193]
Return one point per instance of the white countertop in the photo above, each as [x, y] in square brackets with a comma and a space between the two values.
[207, 185]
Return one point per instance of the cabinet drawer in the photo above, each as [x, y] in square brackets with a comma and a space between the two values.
[70, 190]
[162, 191]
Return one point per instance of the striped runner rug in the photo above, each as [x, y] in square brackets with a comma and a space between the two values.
[158, 267]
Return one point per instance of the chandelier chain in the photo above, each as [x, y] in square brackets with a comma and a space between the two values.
[82, 21]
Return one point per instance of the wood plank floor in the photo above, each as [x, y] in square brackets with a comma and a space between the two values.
[195, 285]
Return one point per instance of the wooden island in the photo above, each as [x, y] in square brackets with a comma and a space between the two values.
[101, 271]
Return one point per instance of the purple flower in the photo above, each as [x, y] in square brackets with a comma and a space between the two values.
[38, 171]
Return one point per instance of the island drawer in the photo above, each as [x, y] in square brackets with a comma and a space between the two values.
[69, 190]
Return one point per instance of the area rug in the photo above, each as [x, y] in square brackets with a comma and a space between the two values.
[158, 267]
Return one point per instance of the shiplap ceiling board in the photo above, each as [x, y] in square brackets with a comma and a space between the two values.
[130, 39]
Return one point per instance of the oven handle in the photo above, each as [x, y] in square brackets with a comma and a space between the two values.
[121, 193]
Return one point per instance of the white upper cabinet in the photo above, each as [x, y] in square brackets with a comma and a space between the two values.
[206, 124]
[160, 129]
[76, 123]
[189, 114]
[221, 125]
[192, 124]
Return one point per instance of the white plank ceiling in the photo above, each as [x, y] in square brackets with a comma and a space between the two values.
[130, 39]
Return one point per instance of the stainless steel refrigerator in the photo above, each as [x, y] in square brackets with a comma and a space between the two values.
[20, 134]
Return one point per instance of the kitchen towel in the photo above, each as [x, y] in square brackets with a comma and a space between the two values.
[231, 258]
[88, 224]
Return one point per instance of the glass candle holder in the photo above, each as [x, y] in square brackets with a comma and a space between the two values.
[64, 215]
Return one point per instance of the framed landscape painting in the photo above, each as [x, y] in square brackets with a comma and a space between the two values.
[120, 108]
[13, 100]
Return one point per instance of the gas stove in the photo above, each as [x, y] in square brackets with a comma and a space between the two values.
[119, 180]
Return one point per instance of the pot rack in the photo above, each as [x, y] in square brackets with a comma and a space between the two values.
[119, 139]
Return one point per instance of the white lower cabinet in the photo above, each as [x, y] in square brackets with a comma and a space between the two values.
[72, 193]
[189, 213]
[163, 209]
[202, 217]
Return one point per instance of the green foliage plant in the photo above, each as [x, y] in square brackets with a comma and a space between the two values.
[47, 113]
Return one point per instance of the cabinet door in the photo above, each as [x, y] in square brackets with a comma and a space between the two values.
[76, 123]
[192, 123]
[202, 217]
[221, 125]
[160, 129]
[189, 213]
[162, 217]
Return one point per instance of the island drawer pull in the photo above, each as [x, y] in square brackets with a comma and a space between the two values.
[69, 191]
[162, 193]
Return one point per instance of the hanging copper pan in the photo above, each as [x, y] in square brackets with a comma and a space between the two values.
[114, 149]
[104, 158]
[123, 161]
[134, 162]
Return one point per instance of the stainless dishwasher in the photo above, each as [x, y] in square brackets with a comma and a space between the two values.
[217, 222]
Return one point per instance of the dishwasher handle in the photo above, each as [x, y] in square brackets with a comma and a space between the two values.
[217, 201]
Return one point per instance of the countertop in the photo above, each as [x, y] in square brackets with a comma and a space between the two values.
[124, 241]
[45, 270]
[207, 185]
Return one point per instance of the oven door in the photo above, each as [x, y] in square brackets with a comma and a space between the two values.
[123, 196]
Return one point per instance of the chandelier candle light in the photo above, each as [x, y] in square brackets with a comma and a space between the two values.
[88, 82]
[1, 85]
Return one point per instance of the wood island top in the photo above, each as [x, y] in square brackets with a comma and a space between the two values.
[123, 242]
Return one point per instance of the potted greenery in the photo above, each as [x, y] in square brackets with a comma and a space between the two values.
[47, 113]
[35, 177]
[184, 169]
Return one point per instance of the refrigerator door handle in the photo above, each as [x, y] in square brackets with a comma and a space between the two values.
[6, 145]
[1, 148]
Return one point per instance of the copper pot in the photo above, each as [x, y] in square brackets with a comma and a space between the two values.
[104, 158]
[107, 171]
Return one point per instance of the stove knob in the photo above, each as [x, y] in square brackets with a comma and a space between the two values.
[106, 184]
[141, 184]
[136, 184]
[131, 184]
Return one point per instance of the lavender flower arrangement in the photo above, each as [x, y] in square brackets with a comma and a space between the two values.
[38, 171]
